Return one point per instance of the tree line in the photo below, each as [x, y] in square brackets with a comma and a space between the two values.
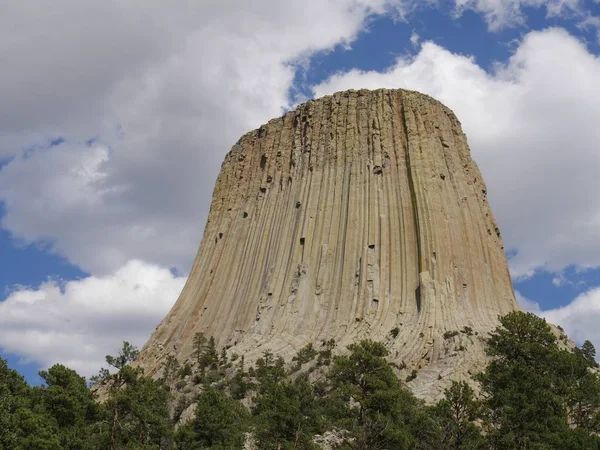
[534, 394]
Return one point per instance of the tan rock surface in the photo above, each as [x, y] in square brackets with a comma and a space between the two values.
[346, 218]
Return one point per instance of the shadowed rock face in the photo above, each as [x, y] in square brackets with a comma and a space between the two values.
[353, 215]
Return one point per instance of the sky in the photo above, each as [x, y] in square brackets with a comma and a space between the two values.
[116, 116]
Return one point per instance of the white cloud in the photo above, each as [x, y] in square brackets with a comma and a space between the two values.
[415, 39]
[591, 23]
[505, 13]
[79, 323]
[527, 304]
[580, 318]
[532, 127]
[165, 90]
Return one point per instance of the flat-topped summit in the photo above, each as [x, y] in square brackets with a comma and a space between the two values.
[356, 215]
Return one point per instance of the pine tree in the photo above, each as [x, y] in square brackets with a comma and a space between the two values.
[138, 406]
[531, 388]
[220, 423]
[66, 399]
[12, 388]
[199, 344]
[589, 353]
[456, 415]
[286, 415]
[366, 398]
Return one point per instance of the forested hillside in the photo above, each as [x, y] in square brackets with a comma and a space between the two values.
[534, 394]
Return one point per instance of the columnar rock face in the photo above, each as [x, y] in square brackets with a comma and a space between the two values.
[356, 215]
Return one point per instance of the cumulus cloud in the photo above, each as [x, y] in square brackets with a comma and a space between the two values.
[148, 100]
[113, 123]
[579, 318]
[527, 304]
[163, 91]
[532, 127]
[78, 323]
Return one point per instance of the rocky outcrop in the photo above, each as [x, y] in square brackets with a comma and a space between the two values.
[356, 215]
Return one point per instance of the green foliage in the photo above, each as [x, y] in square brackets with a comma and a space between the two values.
[205, 351]
[185, 371]
[269, 369]
[136, 413]
[367, 398]
[326, 353]
[534, 395]
[199, 343]
[455, 416]
[139, 412]
[533, 390]
[55, 415]
[220, 423]
[589, 353]
[286, 415]
[223, 360]
[66, 399]
[127, 355]
[467, 330]
[36, 431]
[580, 390]
[171, 370]
[304, 355]
[520, 384]
[450, 334]
[239, 385]
[13, 390]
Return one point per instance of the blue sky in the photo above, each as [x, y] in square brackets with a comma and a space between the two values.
[115, 123]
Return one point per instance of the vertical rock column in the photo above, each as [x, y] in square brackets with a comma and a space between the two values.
[348, 217]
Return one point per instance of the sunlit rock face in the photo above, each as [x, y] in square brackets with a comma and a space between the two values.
[357, 215]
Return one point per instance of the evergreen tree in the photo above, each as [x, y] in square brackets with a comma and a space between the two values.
[171, 368]
[286, 415]
[368, 400]
[13, 390]
[589, 353]
[580, 388]
[269, 369]
[126, 355]
[534, 395]
[456, 415]
[199, 344]
[66, 399]
[140, 413]
[527, 387]
[137, 408]
[36, 431]
[220, 424]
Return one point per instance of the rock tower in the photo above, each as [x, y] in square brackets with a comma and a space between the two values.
[355, 215]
